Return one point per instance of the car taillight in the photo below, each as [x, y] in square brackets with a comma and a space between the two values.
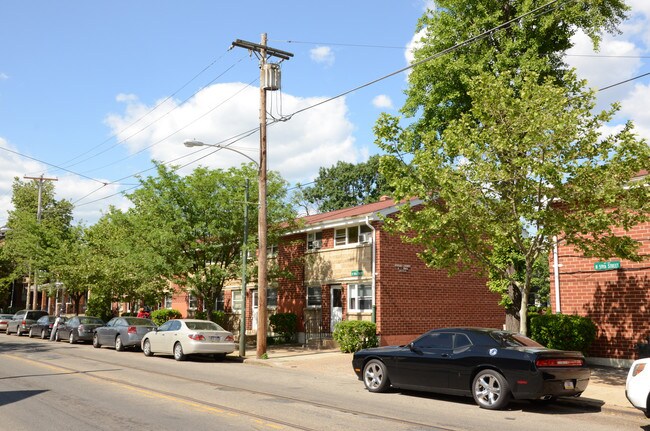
[196, 337]
[559, 362]
[132, 330]
[230, 338]
[24, 322]
[638, 368]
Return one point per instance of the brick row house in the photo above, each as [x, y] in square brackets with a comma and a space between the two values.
[344, 266]
[614, 293]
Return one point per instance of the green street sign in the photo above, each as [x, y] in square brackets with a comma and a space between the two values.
[357, 273]
[606, 266]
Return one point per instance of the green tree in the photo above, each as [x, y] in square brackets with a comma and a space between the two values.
[504, 149]
[196, 224]
[33, 245]
[344, 185]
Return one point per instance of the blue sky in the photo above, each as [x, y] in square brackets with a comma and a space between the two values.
[101, 88]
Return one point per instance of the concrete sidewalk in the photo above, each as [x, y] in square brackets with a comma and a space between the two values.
[606, 390]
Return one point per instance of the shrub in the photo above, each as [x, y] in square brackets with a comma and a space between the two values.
[99, 306]
[284, 324]
[563, 331]
[354, 335]
[161, 316]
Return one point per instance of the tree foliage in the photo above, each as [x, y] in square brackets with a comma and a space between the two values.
[344, 185]
[504, 147]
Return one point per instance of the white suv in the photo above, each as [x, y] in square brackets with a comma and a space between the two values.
[637, 386]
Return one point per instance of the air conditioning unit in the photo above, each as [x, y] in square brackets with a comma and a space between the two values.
[316, 244]
[365, 238]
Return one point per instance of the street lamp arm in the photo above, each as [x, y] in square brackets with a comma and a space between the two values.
[194, 143]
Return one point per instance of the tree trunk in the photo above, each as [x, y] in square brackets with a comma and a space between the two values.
[513, 321]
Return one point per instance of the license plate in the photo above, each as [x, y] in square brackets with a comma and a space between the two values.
[217, 338]
[568, 384]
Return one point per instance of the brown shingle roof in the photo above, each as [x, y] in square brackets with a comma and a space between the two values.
[349, 212]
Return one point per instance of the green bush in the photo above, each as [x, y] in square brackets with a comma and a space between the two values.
[354, 335]
[99, 305]
[221, 318]
[161, 316]
[285, 325]
[563, 331]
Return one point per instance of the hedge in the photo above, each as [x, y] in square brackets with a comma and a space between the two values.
[354, 335]
[563, 331]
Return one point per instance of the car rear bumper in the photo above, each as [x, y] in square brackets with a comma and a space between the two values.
[207, 348]
[557, 383]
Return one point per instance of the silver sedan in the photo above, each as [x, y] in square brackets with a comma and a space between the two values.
[182, 337]
[122, 332]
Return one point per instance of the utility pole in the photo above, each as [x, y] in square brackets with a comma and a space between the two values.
[39, 213]
[269, 80]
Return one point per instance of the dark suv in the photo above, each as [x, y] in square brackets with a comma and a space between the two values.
[23, 320]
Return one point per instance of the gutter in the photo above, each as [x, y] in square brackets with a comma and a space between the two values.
[373, 259]
[556, 275]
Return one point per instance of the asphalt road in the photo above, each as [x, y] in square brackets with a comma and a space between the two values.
[57, 386]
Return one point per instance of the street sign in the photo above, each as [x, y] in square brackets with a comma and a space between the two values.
[357, 273]
[606, 266]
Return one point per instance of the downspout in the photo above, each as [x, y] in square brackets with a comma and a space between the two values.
[373, 263]
[556, 275]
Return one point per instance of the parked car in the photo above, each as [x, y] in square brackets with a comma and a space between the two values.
[23, 320]
[637, 385]
[123, 332]
[4, 318]
[490, 365]
[78, 328]
[43, 327]
[182, 337]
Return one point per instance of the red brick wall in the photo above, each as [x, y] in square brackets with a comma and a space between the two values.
[412, 298]
[292, 295]
[617, 300]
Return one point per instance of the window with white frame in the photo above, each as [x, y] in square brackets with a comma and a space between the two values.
[272, 250]
[192, 301]
[350, 235]
[219, 304]
[360, 297]
[168, 301]
[236, 300]
[314, 240]
[314, 296]
[272, 297]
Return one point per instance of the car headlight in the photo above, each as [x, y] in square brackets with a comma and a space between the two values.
[638, 368]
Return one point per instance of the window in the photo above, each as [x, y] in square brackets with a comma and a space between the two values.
[314, 240]
[314, 296]
[236, 300]
[436, 340]
[272, 251]
[350, 235]
[272, 297]
[168, 301]
[360, 297]
[192, 301]
[219, 303]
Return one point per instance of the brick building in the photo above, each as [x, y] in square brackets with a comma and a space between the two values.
[615, 294]
[345, 267]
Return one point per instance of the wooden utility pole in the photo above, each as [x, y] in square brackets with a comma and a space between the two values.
[263, 52]
[39, 213]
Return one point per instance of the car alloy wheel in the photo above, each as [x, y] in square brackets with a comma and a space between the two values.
[96, 344]
[178, 352]
[31, 333]
[57, 336]
[118, 344]
[43, 335]
[146, 348]
[71, 338]
[491, 390]
[375, 376]
[18, 333]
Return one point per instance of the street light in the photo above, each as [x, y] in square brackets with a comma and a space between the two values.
[242, 323]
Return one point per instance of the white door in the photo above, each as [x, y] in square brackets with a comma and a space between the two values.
[255, 307]
[337, 306]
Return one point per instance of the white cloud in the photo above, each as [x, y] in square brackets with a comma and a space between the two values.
[68, 186]
[323, 55]
[3, 76]
[382, 101]
[296, 148]
[414, 44]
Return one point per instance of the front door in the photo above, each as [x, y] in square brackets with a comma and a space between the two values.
[254, 307]
[336, 314]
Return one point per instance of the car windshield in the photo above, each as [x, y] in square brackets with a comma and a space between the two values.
[203, 326]
[510, 339]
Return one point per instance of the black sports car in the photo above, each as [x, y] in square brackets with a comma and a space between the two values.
[491, 365]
